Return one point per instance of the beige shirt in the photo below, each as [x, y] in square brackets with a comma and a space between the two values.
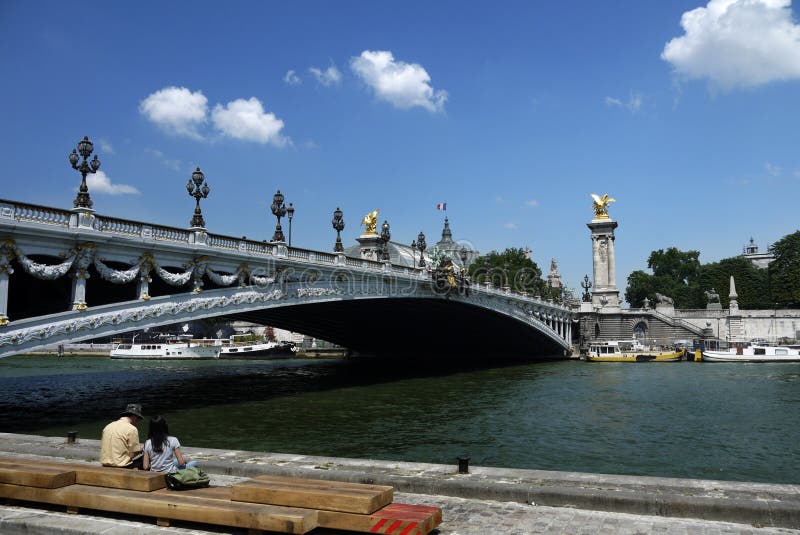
[119, 439]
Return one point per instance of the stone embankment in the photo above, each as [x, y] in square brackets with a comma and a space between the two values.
[485, 500]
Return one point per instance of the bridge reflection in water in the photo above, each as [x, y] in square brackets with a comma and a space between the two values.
[118, 276]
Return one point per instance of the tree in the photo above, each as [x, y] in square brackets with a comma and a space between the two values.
[640, 285]
[675, 274]
[784, 271]
[510, 268]
[752, 286]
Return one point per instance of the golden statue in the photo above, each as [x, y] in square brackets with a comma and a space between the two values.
[600, 205]
[371, 222]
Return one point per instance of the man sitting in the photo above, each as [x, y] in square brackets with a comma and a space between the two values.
[119, 446]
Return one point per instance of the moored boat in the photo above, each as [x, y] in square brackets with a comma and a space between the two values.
[614, 351]
[255, 350]
[754, 354]
[170, 348]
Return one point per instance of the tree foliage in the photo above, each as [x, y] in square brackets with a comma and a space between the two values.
[680, 275]
[784, 271]
[510, 268]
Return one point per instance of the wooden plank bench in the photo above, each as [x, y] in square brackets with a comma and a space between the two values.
[345, 506]
[36, 476]
[100, 476]
[313, 494]
[166, 506]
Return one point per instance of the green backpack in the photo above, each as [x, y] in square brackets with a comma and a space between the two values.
[187, 478]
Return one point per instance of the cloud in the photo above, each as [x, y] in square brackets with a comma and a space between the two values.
[634, 103]
[533, 203]
[796, 173]
[99, 182]
[772, 169]
[510, 226]
[105, 146]
[737, 43]
[404, 85]
[161, 157]
[247, 120]
[291, 78]
[177, 110]
[328, 77]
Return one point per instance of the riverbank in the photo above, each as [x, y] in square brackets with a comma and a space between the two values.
[649, 499]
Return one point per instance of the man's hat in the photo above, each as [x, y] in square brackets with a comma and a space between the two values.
[133, 409]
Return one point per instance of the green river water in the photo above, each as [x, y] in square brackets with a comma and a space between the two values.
[698, 420]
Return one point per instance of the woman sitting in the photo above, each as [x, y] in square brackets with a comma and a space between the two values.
[162, 452]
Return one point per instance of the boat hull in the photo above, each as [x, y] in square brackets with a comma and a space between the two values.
[257, 351]
[177, 352]
[724, 356]
[637, 357]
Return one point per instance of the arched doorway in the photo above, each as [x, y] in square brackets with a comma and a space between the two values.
[640, 332]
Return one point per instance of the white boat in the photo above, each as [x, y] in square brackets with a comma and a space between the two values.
[630, 351]
[754, 354]
[170, 348]
[255, 350]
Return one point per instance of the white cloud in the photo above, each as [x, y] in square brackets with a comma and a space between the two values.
[634, 103]
[291, 78]
[177, 110]
[796, 173]
[404, 85]
[772, 169]
[510, 226]
[328, 77]
[247, 120]
[737, 43]
[105, 146]
[161, 157]
[533, 203]
[99, 182]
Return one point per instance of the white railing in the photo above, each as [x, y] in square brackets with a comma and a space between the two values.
[31, 213]
[223, 242]
[118, 226]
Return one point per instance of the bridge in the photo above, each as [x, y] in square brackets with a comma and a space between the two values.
[73, 275]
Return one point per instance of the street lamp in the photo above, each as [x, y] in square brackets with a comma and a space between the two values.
[586, 284]
[421, 245]
[85, 148]
[197, 188]
[290, 213]
[385, 237]
[278, 210]
[338, 226]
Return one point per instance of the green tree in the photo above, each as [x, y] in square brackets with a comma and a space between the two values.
[752, 285]
[784, 271]
[510, 268]
[640, 285]
[675, 274]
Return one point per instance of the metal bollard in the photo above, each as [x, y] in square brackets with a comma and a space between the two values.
[463, 464]
[72, 437]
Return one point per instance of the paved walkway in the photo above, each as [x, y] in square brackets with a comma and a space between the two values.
[486, 501]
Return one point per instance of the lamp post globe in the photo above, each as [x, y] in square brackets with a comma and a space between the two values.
[290, 215]
[85, 148]
[421, 245]
[338, 225]
[278, 210]
[198, 188]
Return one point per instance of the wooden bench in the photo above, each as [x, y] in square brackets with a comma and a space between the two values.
[345, 506]
[313, 493]
[99, 476]
[289, 505]
[166, 506]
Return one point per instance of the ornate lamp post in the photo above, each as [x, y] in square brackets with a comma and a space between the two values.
[85, 148]
[421, 245]
[198, 188]
[586, 284]
[278, 210]
[414, 253]
[385, 237]
[463, 255]
[290, 213]
[338, 226]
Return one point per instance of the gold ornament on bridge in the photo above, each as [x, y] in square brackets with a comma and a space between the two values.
[370, 221]
[600, 205]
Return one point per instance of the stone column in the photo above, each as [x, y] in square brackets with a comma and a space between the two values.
[605, 295]
[5, 271]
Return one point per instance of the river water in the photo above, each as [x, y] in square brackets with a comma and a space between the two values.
[698, 420]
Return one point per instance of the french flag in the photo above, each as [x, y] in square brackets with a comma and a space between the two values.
[441, 206]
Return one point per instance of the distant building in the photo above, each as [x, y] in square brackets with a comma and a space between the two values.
[760, 260]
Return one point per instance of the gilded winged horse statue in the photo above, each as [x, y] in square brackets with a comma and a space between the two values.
[370, 221]
[600, 205]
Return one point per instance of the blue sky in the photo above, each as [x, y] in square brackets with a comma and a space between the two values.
[512, 113]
